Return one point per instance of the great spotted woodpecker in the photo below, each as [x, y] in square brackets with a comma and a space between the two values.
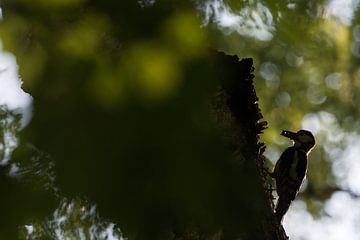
[290, 169]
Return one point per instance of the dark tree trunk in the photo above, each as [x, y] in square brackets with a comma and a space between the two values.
[238, 114]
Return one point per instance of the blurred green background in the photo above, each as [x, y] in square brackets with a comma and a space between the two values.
[126, 80]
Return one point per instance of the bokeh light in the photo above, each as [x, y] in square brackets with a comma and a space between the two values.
[122, 58]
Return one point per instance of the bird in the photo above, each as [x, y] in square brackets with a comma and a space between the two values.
[290, 170]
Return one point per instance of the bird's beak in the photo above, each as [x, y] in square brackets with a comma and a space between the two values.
[289, 134]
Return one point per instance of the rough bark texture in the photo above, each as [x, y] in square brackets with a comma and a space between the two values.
[241, 115]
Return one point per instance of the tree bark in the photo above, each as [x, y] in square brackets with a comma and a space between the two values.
[238, 113]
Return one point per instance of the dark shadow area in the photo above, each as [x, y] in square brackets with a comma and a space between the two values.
[161, 171]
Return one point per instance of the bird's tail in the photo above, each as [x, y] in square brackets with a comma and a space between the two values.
[282, 206]
[287, 192]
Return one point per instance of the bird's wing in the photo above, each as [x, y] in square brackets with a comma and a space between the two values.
[290, 171]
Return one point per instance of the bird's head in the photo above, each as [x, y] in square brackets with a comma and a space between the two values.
[303, 139]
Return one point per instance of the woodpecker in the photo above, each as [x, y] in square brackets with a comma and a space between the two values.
[290, 169]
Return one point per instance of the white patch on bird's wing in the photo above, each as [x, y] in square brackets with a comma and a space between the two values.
[293, 166]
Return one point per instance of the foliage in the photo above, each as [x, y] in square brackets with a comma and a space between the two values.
[122, 86]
